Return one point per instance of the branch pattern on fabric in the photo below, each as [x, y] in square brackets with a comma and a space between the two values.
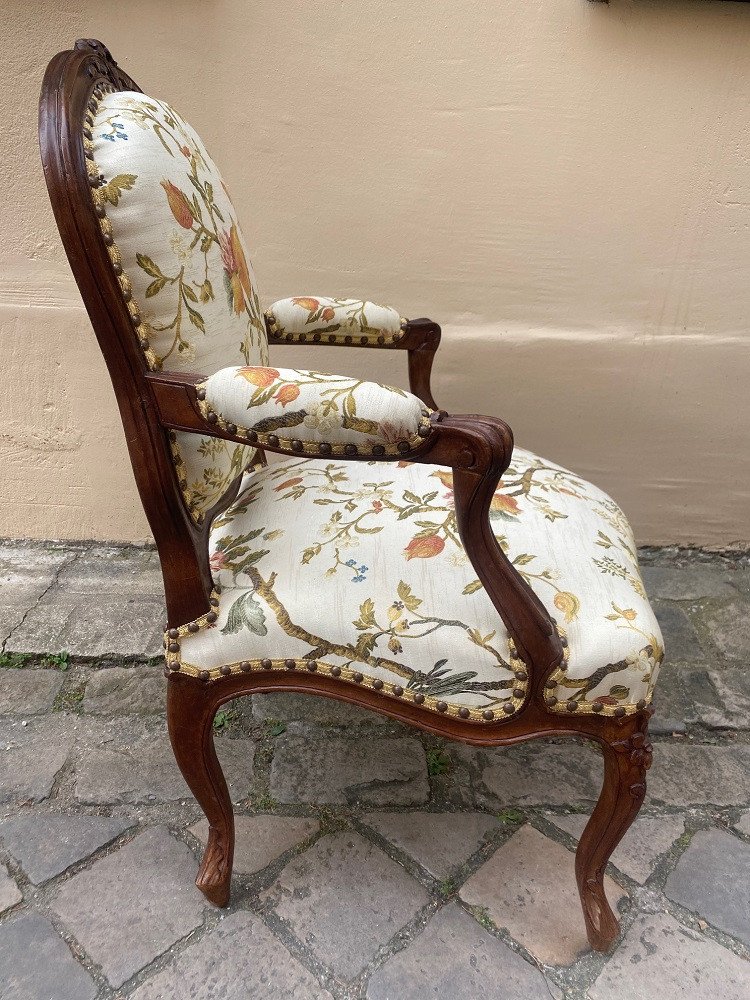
[182, 263]
[361, 567]
[311, 407]
[317, 317]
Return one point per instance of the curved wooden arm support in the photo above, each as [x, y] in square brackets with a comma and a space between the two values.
[420, 337]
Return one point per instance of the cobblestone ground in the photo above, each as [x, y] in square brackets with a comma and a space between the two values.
[372, 861]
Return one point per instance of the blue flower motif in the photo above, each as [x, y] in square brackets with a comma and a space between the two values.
[119, 133]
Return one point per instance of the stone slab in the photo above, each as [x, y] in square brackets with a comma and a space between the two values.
[645, 842]
[454, 958]
[528, 886]
[344, 898]
[540, 773]
[702, 581]
[685, 774]
[680, 639]
[134, 904]
[683, 692]
[238, 959]
[27, 692]
[26, 572]
[36, 964]
[126, 691]
[45, 844]
[440, 842]
[378, 771]
[259, 840]
[10, 894]
[311, 709]
[729, 628]
[31, 756]
[91, 625]
[146, 771]
[732, 686]
[661, 958]
[712, 878]
[119, 570]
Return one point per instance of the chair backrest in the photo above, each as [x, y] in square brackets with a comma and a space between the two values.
[156, 248]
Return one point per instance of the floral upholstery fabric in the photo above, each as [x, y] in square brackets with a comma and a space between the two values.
[358, 570]
[334, 320]
[311, 407]
[185, 273]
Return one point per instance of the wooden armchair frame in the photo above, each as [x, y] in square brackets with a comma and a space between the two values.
[477, 448]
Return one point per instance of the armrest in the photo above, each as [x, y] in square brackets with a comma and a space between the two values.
[308, 319]
[319, 319]
[308, 410]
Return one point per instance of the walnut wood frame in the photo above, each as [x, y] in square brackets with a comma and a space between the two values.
[477, 448]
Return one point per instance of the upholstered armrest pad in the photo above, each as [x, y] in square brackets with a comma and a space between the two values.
[314, 317]
[305, 409]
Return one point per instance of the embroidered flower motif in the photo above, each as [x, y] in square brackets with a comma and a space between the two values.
[178, 204]
[118, 132]
[568, 604]
[328, 314]
[504, 505]
[424, 548]
[287, 484]
[218, 561]
[236, 274]
[262, 377]
[360, 571]
[287, 393]
[323, 418]
[306, 303]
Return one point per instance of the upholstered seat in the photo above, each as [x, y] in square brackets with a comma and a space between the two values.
[359, 567]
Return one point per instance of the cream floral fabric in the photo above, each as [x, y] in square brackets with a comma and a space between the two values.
[311, 407]
[305, 316]
[185, 268]
[358, 569]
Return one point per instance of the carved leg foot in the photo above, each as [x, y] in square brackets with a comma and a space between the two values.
[626, 761]
[190, 714]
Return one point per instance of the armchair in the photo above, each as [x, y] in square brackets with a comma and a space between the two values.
[400, 558]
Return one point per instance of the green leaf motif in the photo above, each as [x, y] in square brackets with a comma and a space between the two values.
[155, 287]
[245, 613]
[113, 189]
[148, 265]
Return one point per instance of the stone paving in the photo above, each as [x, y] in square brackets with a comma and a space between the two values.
[372, 861]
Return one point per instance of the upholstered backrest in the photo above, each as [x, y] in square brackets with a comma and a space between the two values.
[186, 274]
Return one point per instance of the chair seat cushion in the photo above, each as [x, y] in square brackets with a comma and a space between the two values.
[357, 569]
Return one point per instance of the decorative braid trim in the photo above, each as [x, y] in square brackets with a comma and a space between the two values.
[583, 707]
[299, 446]
[175, 664]
[321, 337]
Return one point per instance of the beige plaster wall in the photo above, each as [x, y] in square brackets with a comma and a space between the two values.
[565, 186]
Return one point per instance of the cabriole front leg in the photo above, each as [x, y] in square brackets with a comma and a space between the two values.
[627, 757]
[191, 706]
